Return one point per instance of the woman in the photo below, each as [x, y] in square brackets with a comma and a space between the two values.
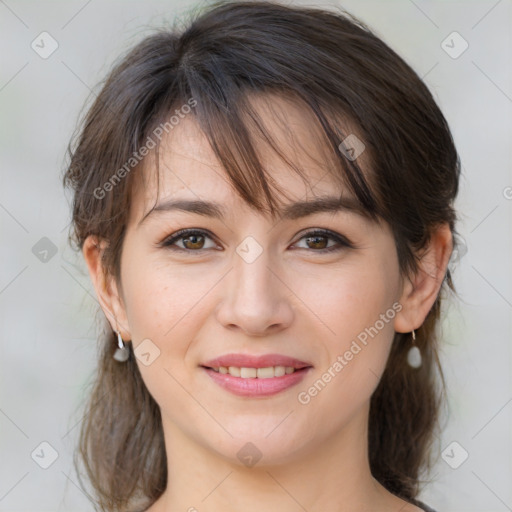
[264, 201]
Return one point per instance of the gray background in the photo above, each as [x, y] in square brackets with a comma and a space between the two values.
[47, 305]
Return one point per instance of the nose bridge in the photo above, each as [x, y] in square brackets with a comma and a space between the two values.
[255, 300]
[252, 273]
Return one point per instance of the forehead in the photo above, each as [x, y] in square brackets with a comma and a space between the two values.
[188, 167]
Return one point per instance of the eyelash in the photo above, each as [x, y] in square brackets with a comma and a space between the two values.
[343, 242]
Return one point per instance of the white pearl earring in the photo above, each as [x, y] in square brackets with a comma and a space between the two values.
[414, 355]
[122, 352]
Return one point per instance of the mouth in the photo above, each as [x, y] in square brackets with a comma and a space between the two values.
[267, 372]
[256, 376]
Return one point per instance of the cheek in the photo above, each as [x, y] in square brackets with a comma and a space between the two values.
[356, 354]
[350, 299]
[356, 308]
[164, 302]
[164, 305]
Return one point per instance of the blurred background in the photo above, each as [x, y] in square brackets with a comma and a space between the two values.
[54, 54]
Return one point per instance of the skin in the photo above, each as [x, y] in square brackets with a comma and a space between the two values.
[291, 300]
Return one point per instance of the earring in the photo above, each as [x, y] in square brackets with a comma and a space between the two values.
[122, 352]
[414, 354]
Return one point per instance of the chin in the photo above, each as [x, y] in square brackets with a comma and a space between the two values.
[255, 447]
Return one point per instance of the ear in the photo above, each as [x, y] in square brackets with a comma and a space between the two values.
[105, 286]
[421, 290]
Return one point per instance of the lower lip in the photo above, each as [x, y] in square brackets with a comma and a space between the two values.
[255, 387]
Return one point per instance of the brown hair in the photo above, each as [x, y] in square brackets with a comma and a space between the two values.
[340, 72]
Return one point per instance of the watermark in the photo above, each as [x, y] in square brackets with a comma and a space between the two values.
[249, 454]
[249, 249]
[138, 156]
[454, 455]
[507, 193]
[454, 45]
[305, 397]
[146, 352]
[44, 249]
[352, 146]
[44, 45]
[44, 454]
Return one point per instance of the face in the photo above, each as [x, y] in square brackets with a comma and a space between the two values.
[249, 285]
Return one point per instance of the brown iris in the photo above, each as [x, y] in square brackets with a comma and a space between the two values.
[318, 239]
[197, 241]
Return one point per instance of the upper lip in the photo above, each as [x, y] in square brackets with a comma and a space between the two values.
[249, 361]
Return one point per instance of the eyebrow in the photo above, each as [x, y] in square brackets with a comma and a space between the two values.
[291, 211]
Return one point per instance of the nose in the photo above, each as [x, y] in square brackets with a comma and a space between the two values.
[255, 299]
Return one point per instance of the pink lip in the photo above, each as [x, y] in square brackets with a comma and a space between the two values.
[257, 387]
[254, 387]
[247, 361]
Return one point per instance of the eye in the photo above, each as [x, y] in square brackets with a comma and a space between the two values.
[319, 240]
[193, 240]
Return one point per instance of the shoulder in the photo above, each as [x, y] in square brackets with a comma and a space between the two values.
[423, 507]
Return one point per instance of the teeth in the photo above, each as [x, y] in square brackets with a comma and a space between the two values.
[279, 371]
[233, 370]
[260, 373]
[247, 373]
[266, 373]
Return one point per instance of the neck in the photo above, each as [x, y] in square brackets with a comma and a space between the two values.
[333, 475]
